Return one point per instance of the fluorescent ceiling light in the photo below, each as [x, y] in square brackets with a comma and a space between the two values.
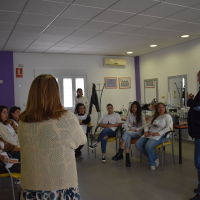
[184, 36]
[153, 45]
[129, 52]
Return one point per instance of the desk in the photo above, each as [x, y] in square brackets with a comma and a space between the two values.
[177, 126]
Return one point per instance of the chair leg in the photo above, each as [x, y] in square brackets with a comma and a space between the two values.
[88, 144]
[95, 153]
[173, 153]
[116, 145]
[162, 156]
[0, 182]
[140, 157]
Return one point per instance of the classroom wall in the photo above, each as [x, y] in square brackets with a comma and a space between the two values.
[176, 60]
[92, 65]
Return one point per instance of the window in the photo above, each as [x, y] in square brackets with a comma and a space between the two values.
[80, 84]
[67, 90]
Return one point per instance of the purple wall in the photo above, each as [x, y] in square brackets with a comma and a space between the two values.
[137, 78]
[7, 93]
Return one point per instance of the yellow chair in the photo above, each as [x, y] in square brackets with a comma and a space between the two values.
[11, 175]
[110, 139]
[163, 145]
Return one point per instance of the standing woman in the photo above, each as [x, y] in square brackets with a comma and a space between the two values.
[14, 115]
[48, 135]
[158, 125]
[81, 99]
[137, 124]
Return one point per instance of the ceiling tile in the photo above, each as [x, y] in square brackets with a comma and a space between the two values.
[85, 33]
[163, 10]
[141, 20]
[12, 5]
[4, 36]
[87, 46]
[123, 28]
[9, 17]
[19, 41]
[169, 34]
[61, 1]
[98, 26]
[81, 12]
[183, 2]
[6, 26]
[29, 28]
[44, 7]
[23, 36]
[54, 38]
[73, 39]
[58, 49]
[145, 31]
[186, 15]
[68, 22]
[66, 44]
[189, 27]
[165, 23]
[33, 19]
[54, 30]
[133, 6]
[196, 6]
[44, 42]
[113, 16]
[95, 3]
[14, 47]
[197, 20]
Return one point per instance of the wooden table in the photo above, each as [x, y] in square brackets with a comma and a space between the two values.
[177, 126]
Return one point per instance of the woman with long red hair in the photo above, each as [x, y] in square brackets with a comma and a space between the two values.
[158, 125]
[48, 136]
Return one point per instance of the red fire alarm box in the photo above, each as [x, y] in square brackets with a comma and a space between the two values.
[19, 72]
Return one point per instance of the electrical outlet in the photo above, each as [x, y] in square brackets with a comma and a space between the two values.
[1, 81]
[163, 96]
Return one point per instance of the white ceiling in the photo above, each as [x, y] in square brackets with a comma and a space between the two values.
[100, 27]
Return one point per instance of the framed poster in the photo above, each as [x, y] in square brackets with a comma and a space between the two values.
[111, 82]
[124, 82]
[149, 83]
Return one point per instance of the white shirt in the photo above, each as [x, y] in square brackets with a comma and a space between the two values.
[133, 124]
[84, 101]
[3, 153]
[110, 120]
[84, 126]
[12, 131]
[161, 125]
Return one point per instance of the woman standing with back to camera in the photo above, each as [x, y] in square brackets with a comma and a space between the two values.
[48, 135]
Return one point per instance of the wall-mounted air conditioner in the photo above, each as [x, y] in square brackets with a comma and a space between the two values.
[120, 62]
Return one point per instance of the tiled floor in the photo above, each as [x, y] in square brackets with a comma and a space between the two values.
[113, 181]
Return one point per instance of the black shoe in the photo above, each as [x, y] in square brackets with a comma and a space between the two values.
[128, 163]
[119, 155]
[93, 146]
[78, 155]
[197, 197]
[195, 190]
[103, 160]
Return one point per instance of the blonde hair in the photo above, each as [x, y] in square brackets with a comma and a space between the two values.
[43, 100]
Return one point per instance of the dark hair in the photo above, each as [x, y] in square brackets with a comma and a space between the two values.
[109, 105]
[138, 113]
[77, 107]
[156, 114]
[12, 110]
[1, 110]
[77, 92]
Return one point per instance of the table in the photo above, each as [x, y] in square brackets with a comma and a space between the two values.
[177, 126]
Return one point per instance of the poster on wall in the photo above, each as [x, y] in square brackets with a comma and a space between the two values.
[111, 82]
[150, 84]
[124, 83]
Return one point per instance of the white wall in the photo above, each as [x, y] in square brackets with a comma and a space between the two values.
[95, 74]
[177, 60]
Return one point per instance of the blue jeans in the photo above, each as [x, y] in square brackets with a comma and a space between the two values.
[197, 160]
[128, 135]
[105, 132]
[146, 146]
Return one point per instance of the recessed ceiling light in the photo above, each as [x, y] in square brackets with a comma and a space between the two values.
[184, 36]
[129, 52]
[153, 45]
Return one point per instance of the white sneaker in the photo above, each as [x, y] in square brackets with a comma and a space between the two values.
[103, 159]
[152, 167]
[157, 162]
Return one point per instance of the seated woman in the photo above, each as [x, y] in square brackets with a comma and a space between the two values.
[159, 124]
[109, 122]
[137, 122]
[13, 165]
[14, 117]
[84, 120]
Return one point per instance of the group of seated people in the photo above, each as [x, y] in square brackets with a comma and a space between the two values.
[9, 143]
[149, 134]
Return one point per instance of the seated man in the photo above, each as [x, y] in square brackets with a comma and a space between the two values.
[109, 123]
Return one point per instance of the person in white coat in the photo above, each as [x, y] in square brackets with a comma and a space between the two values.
[137, 123]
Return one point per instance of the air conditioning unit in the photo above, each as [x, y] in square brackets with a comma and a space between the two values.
[120, 62]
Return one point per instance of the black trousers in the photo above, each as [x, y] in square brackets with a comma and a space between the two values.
[78, 150]
[16, 168]
[14, 155]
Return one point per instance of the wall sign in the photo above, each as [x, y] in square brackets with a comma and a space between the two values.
[19, 72]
